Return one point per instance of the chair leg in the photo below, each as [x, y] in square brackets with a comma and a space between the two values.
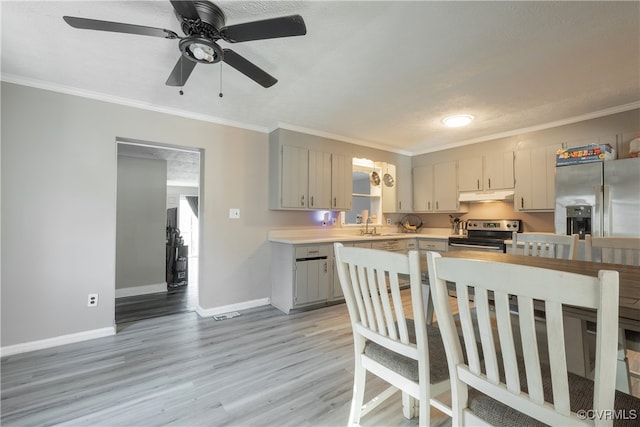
[623, 382]
[359, 379]
[409, 405]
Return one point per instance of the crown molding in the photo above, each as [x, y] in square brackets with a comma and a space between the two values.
[68, 90]
[557, 123]
[328, 135]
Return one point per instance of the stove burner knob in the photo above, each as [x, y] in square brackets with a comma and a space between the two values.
[508, 225]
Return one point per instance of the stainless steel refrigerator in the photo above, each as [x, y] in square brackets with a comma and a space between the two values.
[601, 199]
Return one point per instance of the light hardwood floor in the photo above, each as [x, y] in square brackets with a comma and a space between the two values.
[263, 368]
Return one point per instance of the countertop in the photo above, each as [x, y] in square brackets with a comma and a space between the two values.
[311, 236]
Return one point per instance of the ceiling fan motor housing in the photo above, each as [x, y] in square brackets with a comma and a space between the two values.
[200, 46]
[211, 20]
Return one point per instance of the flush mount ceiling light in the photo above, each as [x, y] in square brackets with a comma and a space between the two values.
[457, 120]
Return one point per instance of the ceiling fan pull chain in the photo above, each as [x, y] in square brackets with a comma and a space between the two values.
[181, 87]
[220, 94]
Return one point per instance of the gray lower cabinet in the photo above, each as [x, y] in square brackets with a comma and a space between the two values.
[305, 276]
[301, 275]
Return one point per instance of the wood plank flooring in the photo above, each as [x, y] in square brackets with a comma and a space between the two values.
[263, 368]
[176, 300]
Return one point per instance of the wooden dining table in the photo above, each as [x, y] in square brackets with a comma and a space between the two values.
[577, 351]
[629, 279]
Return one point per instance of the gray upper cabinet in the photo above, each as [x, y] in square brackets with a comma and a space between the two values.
[341, 182]
[295, 177]
[435, 188]
[535, 179]
[494, 172]
[302, 178]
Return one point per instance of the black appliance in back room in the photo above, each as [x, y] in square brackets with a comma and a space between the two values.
[177, 252]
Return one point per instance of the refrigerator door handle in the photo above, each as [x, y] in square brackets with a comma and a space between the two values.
[606, 209]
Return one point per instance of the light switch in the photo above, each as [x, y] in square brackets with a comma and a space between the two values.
[234, 213]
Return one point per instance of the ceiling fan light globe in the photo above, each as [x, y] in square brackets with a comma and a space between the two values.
[198, 52]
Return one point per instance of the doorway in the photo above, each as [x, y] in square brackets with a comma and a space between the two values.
[144, 287]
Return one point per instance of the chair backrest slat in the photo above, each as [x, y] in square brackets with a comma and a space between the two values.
[557, 356]
[506, 339]
[533, 289]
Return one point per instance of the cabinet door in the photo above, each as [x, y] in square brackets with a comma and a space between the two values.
[312, 281]
[470, 176]
[445, 189]
[498, 171]
[389, 194]
[404, 189]
[295, 176]
[423, 188]
[535, 178]
[319, 180]
[336, 288]
[341, 182]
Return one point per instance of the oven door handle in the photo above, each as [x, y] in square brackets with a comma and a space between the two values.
[461, 245]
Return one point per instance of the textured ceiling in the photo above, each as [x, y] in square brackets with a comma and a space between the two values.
[380, 73]
[183, 166]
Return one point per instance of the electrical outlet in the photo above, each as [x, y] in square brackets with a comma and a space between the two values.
[333, 221]
[234, 213]
[388, 221]
[92, 300]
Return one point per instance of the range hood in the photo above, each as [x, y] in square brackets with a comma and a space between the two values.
[485, 196]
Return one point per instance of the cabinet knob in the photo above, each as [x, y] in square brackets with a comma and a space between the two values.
[311, 200]
[489, 182]
[478, 183]
[522, 202]
[302, 200]
[335, 202]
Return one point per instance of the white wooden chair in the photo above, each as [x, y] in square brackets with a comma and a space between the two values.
[407, 354]
[618, 250]
[513, 387]
[546, 245]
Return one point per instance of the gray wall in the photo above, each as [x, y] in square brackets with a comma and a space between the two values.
[141, 222]
[58, 181]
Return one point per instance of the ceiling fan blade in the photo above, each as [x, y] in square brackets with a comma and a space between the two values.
[185, 8]
[181, 72]
[117, 27]
[284, 26]
[248, 68]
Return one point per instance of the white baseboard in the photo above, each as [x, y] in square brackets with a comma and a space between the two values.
[208, 312]
[141, 290]
[56, 341]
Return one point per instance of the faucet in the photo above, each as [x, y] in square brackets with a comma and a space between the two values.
[366, 229]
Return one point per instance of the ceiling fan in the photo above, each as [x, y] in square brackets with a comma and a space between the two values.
[203, 24]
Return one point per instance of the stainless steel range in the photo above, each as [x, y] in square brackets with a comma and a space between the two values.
[487, 235]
